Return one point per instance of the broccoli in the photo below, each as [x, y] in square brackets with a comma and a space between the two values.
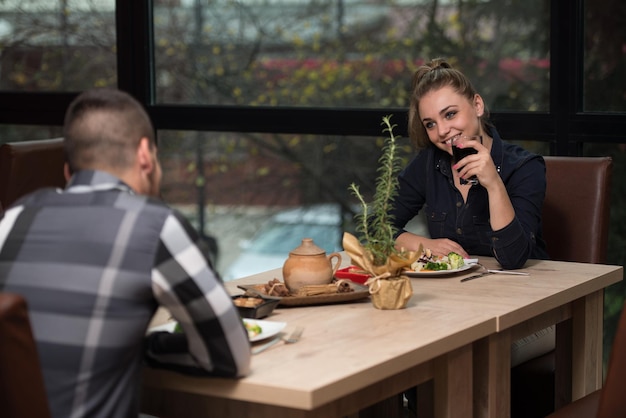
[434, 266]
[456, 261]
[253, 329]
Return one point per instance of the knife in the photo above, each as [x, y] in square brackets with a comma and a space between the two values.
[517, 273]
[476, 276]
[488, 272]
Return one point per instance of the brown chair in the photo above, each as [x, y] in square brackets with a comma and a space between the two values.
[30, 165]
[22, 390]
[575, 221]
[576, 208]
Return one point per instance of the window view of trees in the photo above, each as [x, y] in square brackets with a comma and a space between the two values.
[604, 90]
[347, 52]
[328, 53]
[61, 45]
[605, 56]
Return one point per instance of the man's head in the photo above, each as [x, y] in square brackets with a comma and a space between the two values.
[108, 130]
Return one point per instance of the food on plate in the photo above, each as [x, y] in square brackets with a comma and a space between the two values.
[253, 328]
[276, 288]
[338, 286]
[430, 262]
[456, 261]
[248, 302]
[343, 286]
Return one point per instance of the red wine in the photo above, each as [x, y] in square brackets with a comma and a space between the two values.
[460, 153]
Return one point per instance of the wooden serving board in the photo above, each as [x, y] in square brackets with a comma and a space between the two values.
[360, 292]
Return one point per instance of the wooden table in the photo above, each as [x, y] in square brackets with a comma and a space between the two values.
[352, 355]
[567, 294]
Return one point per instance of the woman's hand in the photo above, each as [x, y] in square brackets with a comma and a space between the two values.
[480, 165]
[439, 246]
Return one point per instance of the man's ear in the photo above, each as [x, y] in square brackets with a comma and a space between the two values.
[144, 156]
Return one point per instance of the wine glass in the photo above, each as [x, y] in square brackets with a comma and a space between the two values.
[459, 153]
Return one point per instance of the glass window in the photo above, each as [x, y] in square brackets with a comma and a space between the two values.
[243, 188]
[605, 56]
[541, 148]
[613, 295]
[247, 190]
[64, 45]
[347, 52]
[17, 133]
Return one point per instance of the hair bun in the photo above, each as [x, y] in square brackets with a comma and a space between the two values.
[438, 63]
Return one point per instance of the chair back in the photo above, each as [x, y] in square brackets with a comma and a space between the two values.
[575, 214]
[22, 390]
[30, 165]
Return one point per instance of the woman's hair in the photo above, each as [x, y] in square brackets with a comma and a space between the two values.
[103, 128]
[433, 76]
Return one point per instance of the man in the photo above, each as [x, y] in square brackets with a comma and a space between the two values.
[95, 260]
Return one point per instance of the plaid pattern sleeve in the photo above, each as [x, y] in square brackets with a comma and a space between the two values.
[185, 283]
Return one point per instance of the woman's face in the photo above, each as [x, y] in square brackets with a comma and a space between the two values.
[445, 114]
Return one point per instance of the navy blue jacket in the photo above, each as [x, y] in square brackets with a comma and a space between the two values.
[427, 183]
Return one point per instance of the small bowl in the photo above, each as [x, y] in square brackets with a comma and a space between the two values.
[350, 274]
[259, 311]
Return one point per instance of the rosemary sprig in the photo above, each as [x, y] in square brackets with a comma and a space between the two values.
[376, 228]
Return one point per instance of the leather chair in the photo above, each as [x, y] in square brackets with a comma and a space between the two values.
[575, 219]
[575, 213]
[29, 165]
[22, 390]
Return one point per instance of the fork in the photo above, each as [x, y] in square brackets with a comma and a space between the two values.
[476, 276]
[484, 269]
[293, 338]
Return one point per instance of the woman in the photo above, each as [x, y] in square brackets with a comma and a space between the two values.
[501, 215]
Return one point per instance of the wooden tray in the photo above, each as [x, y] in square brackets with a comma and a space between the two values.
[360, 292]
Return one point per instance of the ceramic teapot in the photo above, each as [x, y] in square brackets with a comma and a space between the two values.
[309, 265]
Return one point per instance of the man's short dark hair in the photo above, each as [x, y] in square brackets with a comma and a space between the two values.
[103, 128]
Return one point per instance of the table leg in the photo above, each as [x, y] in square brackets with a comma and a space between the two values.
[492, 376]
[453, 384]
[587, 324]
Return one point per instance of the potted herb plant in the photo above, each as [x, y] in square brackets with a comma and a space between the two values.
[375, 251]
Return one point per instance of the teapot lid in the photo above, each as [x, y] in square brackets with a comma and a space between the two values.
[308, 248]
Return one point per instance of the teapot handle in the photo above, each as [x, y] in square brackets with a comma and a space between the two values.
[337, 264]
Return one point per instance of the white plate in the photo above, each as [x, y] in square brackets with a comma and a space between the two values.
[268, 328]
[464, 267]
[168, 327]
